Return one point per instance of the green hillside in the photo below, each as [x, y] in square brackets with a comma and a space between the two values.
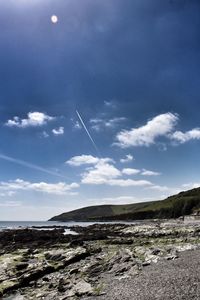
[184, 203]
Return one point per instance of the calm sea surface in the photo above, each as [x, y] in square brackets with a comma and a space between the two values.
[28, 224]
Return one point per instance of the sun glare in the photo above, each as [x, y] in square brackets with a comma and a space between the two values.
[54, 19]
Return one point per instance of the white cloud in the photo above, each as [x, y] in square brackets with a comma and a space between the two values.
[60, 188]
[86, 160]
[99, 124]
[191, 185]
[33, 119]
[105, 173]
[82, 160]
[127, 158]
[108, 103]
[146, 135]
[58, 131]
[45, 134]
[77, 125]
[101, 173]
[149, 173]
[130, 171]
[183, 137]
[129, 182]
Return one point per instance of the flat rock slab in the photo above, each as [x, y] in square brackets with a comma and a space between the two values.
[166, 280]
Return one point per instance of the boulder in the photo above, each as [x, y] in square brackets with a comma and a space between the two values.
[83, 288]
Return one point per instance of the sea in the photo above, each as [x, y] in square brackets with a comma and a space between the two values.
[5, 225]
[39, 225]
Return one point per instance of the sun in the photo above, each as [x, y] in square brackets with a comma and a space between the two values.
[54, 19]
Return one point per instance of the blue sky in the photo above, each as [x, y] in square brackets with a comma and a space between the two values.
[100, 107]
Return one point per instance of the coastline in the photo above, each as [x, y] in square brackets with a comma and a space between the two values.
[51, 265]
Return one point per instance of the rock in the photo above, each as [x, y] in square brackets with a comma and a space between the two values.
[120, 241]
[8, 286]
[82, 288]
[16, 296]
[69, 294]
[45, 264]
[171, 257]
[146, 263]
[21, 266]
[55, 255]
[46, 279]
[121, 268]
[11, 240]
[61, 286]
[95, 269]
[40, 295]
[73, 271]
[51, 285]
[155, 251]
[122, 260]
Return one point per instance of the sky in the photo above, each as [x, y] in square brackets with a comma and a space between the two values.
[98, 105]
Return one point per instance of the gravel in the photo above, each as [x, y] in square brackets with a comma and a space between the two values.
[177, 279]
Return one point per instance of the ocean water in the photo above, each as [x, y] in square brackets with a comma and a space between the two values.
[42, 224]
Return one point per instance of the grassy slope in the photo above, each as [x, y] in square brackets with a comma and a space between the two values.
[175, 206]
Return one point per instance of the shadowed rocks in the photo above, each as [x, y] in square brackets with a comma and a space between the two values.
[44, 264]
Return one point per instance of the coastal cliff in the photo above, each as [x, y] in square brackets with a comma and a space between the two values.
[184, 203]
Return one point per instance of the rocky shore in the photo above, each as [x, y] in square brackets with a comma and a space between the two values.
[102, 261]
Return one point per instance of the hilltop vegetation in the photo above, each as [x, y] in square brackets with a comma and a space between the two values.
[184, 203]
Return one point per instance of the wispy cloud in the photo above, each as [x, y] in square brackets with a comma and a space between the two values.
[58, 131]
[129, 183]
[29, 165]
[98, 124]
[149, 173]
[33, 119]
[160, 188]
[191, 185]
[77, 125]
[127, 158]
[183, 137]
[10, 204]
[111, 104]
[113, 200]
[130, 171]
[7, 194]
[147, 134]
[60, 188]
[44, 134]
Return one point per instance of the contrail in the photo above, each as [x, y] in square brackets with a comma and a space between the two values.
[29, 165]
[89, 135]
